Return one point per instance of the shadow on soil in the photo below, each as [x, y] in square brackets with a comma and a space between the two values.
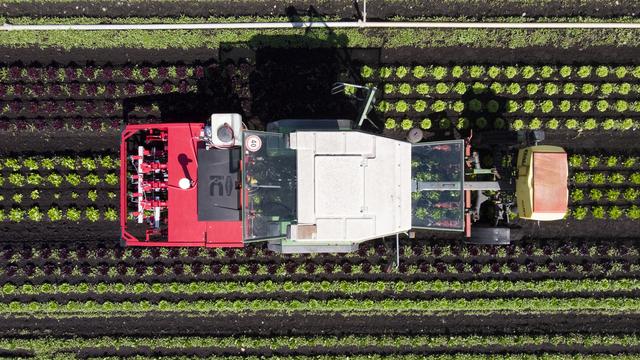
[269, 78]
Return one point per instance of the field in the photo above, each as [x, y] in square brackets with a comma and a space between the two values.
[568, 290]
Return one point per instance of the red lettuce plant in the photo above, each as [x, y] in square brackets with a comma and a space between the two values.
[107, 72]
[55, 89]
[15, 72]
[18, 89]
[51, 72]
[91, 89]
[70, 73]
[70, 106]
[34, 73]
[89, 72]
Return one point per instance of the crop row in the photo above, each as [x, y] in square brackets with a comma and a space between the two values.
[57, 124]
[66, 197]
[536, 90]
[599, 178]
[629, 195]
[478, 71]
[526, 267]
[543, 287]
[602, 161]
[181, 40]
[53, 107]
[414, 248]
[54, 179]
[455, 356]
[35, 214]
[133, 72]
[483, 306]
[605, 212]
[535, 123]
[492, 106]
[33, 163]
[108, 90]
[49, 346]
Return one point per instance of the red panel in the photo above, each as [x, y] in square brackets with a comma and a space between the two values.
[184, 229]
[182, 205]
[550, 192]
[224, 234]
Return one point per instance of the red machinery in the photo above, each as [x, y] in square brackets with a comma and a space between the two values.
[161, 184]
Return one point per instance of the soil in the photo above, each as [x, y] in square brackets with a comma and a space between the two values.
[312, 325]
[376, 9]
[358, 350]
[28, 232]
[613, 55]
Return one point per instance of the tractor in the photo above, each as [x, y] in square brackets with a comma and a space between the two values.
[325, 185]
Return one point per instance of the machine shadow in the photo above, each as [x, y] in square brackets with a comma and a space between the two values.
[268, 78]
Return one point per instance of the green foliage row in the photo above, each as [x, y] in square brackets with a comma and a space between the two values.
[548, 89]
[483, 306]
[602, 212]
[535, 123]
[48, 346]
[608, 161]
[510, 106]
[479, 71]
[602, 178]
[92, 195]
[34, 163]
[35, 214]
[543, 287]
[611, 195]
[456, 356]
[376, 38]
[55, 179]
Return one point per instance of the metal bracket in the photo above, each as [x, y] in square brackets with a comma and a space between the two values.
[369, 100]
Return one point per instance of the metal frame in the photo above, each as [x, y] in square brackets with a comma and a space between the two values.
[462, 192]
[369, 100]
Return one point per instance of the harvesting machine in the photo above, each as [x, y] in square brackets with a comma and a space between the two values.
[323, 185]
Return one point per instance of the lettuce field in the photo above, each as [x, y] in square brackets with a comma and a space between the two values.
[568, 289]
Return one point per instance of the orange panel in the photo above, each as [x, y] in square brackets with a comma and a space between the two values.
[550, 171]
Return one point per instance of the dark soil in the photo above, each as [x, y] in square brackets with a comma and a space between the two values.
[445, 55]
[312, 325]
[84, 231]
[359, 350]
[376, 9]
[59, 141]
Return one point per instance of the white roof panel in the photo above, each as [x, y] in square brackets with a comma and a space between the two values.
[353, 186]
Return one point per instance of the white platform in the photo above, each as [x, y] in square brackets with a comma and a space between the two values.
[352, 187]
